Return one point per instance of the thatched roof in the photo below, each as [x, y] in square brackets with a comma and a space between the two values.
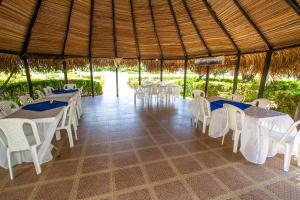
[146, 29]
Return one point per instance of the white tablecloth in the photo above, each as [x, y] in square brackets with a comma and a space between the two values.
[47, 122]
[259, 123]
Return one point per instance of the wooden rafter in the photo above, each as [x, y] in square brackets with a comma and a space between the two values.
[90, 46]
[216, 18]
[138, 54]
[262, 36]
[114, 29]
[177, 28]
[29, 30]
[196, 27]
[67, 27]
[294, 5]
[155, 30]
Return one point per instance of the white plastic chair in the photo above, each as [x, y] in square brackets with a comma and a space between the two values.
[262, 103]
[237, 97]
[154, 91]
[200, 93]
[15, 140]
[138, 94]
[162, 92]
[147, 89]
[39, 94]
[235, 122]
[69, 86]
[196, 110]
[67, 121]
[205, 113]
[6, 109]
[287, 139]
[25, 100]
[173, 91]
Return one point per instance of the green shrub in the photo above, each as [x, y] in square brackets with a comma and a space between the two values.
[15, 89]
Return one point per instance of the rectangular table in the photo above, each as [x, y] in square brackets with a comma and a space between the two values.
[259, 123]
[47, 122]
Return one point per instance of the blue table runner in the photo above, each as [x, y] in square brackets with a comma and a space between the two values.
[43, 106]
[63, 91]
[220, 103]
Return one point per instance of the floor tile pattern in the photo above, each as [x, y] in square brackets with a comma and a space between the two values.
[144, 152]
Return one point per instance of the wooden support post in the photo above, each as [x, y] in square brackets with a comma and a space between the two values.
[161, 68]
[206, 81]
[140, 78]
[65, 72]
[27, 71]
[117, 80]
[264, 74]
[184, 78]
[236, 73]
[92, 77]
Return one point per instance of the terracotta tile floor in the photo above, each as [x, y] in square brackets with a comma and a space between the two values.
[147, 152]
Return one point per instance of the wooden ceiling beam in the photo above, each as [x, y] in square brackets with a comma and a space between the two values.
[114, 29]
[29, 30]
[177, 28]
[155, 30]
[137, 45]
[91, 28]
[67, 27]
[216, 18]
[294, 5]
[196, 27]
[262, 36]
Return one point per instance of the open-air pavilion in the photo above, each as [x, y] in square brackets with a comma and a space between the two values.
[126, 150]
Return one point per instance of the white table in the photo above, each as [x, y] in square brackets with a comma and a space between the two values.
[259, 123]
[47, 122]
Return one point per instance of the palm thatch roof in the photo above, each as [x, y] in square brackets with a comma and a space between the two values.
[48, 31]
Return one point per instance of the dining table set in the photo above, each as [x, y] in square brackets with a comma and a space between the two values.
[160, 91]
[46, 114]
[262, 132]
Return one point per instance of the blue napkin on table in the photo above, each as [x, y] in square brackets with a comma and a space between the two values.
[63, 91]
[42, 106]
[219, 104]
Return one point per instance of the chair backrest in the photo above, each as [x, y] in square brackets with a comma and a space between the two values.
[25, 99]
[15, 138]
[290, 131]
[237, 97]
[39, 94]
[5, 108]
[70, 86]
[69, 112]
[174, 89]
[262, 103]
[205, 107]
[148, 82]
[200, 93]
[235, 117]
[154, 88]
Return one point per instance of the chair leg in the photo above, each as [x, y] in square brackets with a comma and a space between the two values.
[9, 165]
[204, 125]
[223, 138]
[236, 141]
[75, 132]
[298, 157]
[58, 135]
[69, 132]
[287, 157]
[35, 160]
